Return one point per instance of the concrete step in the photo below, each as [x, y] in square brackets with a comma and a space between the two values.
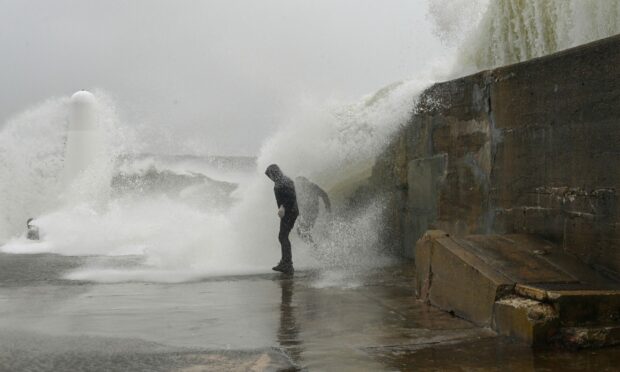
[538, 324]
[531, 321]
[521, 286]
[589, 337]
[577, 304]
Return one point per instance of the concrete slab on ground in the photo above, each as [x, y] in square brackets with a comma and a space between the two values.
[520, 285]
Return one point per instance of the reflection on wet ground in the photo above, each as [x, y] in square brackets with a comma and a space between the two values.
[314, 321]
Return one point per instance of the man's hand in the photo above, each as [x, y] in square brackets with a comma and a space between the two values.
[281, 211]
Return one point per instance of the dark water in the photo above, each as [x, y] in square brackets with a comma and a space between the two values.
[315, 321]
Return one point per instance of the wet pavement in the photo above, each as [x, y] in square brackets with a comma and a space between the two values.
[324, 321]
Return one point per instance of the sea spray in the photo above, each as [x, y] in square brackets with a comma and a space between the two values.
[326, 142]
[32, 164]
[180, 241]
[332, 145]
[31, 160]
[500, 32]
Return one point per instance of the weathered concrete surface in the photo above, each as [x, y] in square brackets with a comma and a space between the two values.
[531, 321]
[455, 280]
[590, 337]
[583, 307]
[521, 286]
[467, 275]
[527, 148]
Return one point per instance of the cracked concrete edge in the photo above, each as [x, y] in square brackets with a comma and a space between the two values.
[527, 320]
[456, 281]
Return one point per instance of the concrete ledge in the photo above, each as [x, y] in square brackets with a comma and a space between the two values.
[531, 321]
[588, 307]
[582, 337]
[456, 280]
[520, 286]
[576, 303]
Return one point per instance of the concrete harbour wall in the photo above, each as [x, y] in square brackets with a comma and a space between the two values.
[528, 148]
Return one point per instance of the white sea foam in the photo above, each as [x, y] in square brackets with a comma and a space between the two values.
[183, 240]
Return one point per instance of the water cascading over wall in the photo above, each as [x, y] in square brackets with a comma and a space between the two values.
[514, 31]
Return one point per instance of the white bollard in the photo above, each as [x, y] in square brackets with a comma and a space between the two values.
[84, 140]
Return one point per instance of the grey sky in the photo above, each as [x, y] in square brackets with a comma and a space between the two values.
[219, 73]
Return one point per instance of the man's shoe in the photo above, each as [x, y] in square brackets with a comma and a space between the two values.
[288, 269]
[285, 268]
[278, 267]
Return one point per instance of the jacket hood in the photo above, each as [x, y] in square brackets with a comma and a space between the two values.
[273, 172]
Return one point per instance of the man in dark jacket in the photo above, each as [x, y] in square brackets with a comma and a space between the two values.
[288, 211]
[309, 194]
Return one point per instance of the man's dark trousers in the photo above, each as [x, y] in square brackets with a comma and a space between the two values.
[286, 225]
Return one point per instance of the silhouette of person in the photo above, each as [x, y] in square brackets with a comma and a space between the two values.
[309, 194]
[286, 199]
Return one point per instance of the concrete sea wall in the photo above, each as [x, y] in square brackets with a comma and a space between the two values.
[527, 148]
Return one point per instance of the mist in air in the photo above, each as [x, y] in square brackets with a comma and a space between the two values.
[192, 100]
[230, 71]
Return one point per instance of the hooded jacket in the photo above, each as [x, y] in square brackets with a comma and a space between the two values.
[284, 190]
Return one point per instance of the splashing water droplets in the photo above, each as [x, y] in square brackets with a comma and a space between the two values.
[184, 220]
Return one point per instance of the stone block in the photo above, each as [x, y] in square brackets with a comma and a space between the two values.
[457, 281]
[530, 321]
[590, 337]
[577, 304]
[587, 307]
